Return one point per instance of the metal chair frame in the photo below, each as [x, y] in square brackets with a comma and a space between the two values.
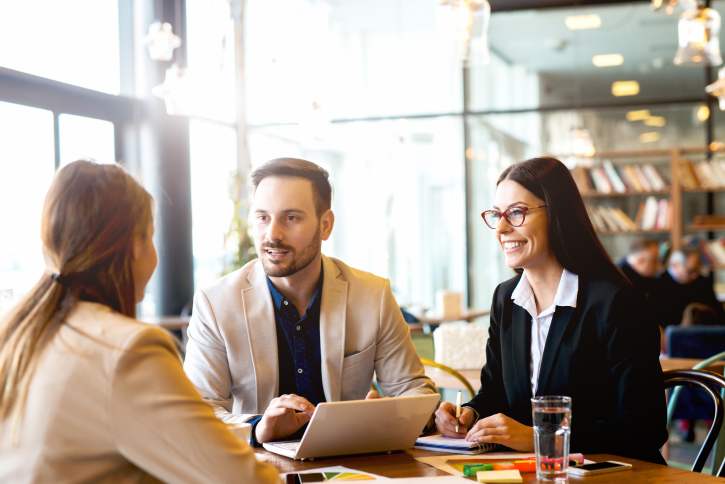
[426, 362]
[448, 369]
[711, 383]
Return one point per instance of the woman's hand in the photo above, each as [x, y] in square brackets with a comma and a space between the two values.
[500, 429]
[446, 420]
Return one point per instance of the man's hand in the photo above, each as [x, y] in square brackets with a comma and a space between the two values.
[500, 429]
[282, 419]
[372, 395]
[446, 420]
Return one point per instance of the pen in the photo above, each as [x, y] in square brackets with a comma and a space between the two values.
[458, 408]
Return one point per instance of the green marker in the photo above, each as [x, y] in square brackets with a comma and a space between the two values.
[471, 469]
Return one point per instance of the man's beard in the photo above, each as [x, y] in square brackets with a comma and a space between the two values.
[298, 262]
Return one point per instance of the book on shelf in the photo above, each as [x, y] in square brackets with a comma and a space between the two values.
[702, 175]
[712, 252]
[613, 177]
[609, 179]
[652, 214]
[709, 220]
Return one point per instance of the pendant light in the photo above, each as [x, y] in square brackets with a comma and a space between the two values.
[161, 41]
[699, 38]
[580, 143]
[467, 20]
[717, 88]
[669, 5]
[175, 91]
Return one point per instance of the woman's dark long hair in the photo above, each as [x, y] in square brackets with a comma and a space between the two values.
[572, 238]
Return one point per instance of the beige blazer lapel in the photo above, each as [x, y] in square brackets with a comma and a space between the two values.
[332, 329]
[262, 331]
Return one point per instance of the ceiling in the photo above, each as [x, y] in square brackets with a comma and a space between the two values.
[539, 40]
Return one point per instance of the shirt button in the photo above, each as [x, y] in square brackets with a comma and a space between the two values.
[299, 370]
[286, 303]
[298, 328]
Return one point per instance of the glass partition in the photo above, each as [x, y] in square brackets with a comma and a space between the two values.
[398, 198]
[27, 152]
[83, 138]
[73, 41]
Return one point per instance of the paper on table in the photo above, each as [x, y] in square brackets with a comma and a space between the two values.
[500, 476]
[439, 461]
[432, 480]
[352, 474]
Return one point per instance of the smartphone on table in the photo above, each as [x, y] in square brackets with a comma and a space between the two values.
[599, 468]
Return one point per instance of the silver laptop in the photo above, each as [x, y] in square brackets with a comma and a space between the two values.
[360, 427]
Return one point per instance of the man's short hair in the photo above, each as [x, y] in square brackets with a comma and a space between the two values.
[294, 167]
[680, 256]
[641, 244]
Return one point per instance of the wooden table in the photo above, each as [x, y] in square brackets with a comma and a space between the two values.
[688, 363]
[466, 315]
[403, 464]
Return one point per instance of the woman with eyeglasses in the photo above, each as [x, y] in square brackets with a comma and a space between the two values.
[87, 393]
[568, 324]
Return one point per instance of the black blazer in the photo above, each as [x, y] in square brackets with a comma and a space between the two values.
[604, 354]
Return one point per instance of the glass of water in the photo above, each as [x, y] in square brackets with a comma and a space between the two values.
[552, 428]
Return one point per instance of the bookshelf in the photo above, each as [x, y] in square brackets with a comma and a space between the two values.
[674, 167]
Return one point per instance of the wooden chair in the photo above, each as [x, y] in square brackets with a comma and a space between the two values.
[447, 369]
[711, 383]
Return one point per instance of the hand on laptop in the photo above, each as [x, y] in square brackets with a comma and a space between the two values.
[284, 416]
[446, 420]
[372, 395]
[500, 429]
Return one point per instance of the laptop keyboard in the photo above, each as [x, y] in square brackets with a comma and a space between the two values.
[286, 445]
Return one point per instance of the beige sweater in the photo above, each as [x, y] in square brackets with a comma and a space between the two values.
[110, 402]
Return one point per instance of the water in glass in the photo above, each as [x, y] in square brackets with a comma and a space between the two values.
[552, 428]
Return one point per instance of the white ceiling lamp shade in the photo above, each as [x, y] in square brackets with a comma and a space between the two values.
[175, 91]
[669, 5]
[467, 20]
[699, 38]
[580, 143]
[161, 41]
[717, 88]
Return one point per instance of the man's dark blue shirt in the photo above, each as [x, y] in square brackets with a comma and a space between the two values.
[298, 352]
[298, 346]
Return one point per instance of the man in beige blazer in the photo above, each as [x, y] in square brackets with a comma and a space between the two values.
[294, 327]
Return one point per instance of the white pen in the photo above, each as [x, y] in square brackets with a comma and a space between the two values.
[458, 408]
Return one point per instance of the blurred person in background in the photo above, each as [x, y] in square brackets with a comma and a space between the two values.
[568, 324]
[683, 295]
[89, 394]
[640, 265]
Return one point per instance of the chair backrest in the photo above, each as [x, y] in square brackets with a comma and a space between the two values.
[694, 341]
[711, 383]
[461, 378]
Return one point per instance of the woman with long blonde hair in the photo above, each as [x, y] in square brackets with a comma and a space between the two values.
[88, 394]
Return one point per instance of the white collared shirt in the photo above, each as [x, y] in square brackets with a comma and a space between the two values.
[523, 296]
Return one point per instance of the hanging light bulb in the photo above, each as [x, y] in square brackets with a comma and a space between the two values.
[580, 143]
[161, 41]
[175, 91]
[468, 21]
[699, 34]
[717, 88]
[669, 5]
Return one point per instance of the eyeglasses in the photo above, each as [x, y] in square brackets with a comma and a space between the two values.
[515, 216]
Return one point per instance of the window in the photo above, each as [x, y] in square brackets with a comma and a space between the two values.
[73, 41]
[213, 159]
[210, 52]
[398, 198]
[28, 152]
[82, 137]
